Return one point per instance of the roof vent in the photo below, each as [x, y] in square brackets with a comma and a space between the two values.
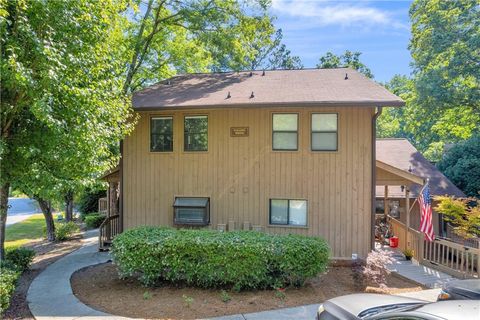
[346, 76]
[251, 74]
[263, 73]
[252, 95]
[228, 95]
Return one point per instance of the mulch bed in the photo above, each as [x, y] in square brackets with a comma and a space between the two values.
[47, 253]
[99, 287]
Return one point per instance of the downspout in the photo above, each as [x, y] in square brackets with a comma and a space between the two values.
[374, 175]
[121, 186]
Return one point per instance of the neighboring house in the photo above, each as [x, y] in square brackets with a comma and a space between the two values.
[285, 151]
[400, 153]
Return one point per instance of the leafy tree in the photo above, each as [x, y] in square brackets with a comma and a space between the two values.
[273, 54]
[444, 47]
[348, 59]
[464, 216]
[61, 104]
[164, 37]
[461, 164]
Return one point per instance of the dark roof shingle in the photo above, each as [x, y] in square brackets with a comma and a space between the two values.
[401, 154]
[276, 87]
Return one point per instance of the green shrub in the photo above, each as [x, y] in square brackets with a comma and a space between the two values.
[208, 258]
[94, 220]
[65, 230]
[8, 280]
[19, 258]
[88, 200]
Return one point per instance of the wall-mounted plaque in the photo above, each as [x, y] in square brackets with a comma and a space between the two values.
[239, 132]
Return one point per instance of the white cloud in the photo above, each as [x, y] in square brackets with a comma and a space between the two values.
[343, 14]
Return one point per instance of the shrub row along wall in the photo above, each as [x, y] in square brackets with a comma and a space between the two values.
[208, 258]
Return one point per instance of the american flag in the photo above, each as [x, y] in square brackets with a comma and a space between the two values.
[425, 202]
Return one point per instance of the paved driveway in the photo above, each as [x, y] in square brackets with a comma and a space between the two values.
[20, 209]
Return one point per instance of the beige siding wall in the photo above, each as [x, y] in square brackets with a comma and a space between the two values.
[241, 174]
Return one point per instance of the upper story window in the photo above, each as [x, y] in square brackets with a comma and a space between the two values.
[324, 132]
[288, 212]
[285, 131]
[161, 134]
[196, 133]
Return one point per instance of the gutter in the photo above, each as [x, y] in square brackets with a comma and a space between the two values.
[374, 175]
[121, 186]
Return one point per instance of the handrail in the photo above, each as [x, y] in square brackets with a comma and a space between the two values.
[108, 229]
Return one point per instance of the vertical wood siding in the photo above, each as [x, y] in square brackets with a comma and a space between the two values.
[241, 174]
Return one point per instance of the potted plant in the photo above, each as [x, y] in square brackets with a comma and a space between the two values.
[408, 253]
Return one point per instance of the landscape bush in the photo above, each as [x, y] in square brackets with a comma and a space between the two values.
[94, 220]
[88, 200]
[65, 230]
[8, 280]
[19, 258]
[208, 258]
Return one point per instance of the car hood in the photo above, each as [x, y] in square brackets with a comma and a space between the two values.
[355, 304]
[452, 309]
[468, 288]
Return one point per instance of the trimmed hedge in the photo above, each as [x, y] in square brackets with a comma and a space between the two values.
[8, 280]
[94, 220]
[208, 258]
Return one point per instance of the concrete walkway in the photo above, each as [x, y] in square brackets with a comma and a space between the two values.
[412, 270]
[50, 295]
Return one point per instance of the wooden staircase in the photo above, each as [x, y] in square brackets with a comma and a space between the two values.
[109, 228]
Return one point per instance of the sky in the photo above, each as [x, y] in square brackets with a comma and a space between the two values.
[378, 29]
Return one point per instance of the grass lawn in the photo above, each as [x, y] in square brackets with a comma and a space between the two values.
[24, 231]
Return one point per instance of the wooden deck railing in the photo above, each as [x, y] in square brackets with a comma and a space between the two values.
[109, 228]
[442, 254]
[103, 205]
[452, 258]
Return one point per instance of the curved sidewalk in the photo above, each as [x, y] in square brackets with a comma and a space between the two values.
[50, 295]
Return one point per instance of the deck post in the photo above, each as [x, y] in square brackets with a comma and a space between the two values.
[386, 207]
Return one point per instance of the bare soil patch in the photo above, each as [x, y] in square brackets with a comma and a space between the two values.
[47, 253]
[99, 287]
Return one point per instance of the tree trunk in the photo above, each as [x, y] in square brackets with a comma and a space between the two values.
[3, 217]
[47, 213]
[69, 206]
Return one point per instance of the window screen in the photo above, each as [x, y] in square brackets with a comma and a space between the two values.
[288, 212]
[196, 133]
[161, 134]
[324, 132]
[285, 131]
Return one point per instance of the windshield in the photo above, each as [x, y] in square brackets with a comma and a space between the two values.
[388, 308]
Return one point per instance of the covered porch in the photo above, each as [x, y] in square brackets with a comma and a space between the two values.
[388, 176]
[110, 206]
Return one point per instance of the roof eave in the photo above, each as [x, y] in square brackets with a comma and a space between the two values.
[392, 103]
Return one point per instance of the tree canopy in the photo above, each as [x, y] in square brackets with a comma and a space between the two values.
[348, 59]
[461, 164]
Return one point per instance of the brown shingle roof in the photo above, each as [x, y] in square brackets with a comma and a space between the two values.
[402, 154]
[276, 87]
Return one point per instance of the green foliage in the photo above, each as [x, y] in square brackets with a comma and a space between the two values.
[8, 280]
[348, 59]
[206, 258]
[88, 200]
[464, 217]
[461, 164]
[225, 296]
[187, 300]
[19, 258]
[65, 230]
[94, 220]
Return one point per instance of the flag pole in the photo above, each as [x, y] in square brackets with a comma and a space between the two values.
[425, 184]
